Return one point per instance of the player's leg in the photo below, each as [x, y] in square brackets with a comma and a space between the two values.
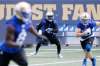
[89, 54]
[55, 40]
[58, 49]
[4, 58]
[20, 58]
[37, 47]
[84, 63]
[93, 59]
[87, 49]
[58, 46]
[40, 43]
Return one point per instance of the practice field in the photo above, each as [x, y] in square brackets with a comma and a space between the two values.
[72, 56]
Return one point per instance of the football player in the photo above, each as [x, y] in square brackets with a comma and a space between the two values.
[84, 31]
[49, 29]
[17, 28]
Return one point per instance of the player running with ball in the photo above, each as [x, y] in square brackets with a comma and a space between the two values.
[84, 30]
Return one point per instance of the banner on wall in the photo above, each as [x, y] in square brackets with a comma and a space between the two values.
[66, 12]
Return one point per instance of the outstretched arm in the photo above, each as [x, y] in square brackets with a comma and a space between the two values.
[34, 31]
[10, 37]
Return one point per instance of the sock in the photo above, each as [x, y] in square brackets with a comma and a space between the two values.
[93, 61]
[84, 62]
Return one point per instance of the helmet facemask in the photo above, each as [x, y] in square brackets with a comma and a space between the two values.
[50, 16]
[85, 17]
[26, 16]
[85, 21]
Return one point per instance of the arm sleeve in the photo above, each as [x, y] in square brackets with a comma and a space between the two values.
[78, 25]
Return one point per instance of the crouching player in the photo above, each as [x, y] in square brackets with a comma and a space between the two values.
[17, 28]
[84, 30]
[49, 29]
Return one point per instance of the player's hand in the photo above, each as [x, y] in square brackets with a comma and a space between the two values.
[49, 30]
[40, 32]
[42, 37]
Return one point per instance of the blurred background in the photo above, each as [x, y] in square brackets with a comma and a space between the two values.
[66, 16]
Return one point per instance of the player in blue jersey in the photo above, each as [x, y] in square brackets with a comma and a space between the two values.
[84, 31]
[17, 28]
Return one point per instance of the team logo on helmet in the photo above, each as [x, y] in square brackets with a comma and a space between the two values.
[85, 17]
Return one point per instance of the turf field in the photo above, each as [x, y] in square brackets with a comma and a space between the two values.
[72, 56]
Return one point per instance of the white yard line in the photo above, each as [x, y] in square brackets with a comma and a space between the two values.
[63, 49]
[32, 53]
[62, 62]
[59, 62]
[55, 49]
[98, 56]
[53, 63]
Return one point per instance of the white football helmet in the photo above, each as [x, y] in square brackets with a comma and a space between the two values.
[84, 17]
[23, 11]
[50, 16]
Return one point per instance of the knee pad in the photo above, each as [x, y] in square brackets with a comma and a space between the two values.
[88, 47]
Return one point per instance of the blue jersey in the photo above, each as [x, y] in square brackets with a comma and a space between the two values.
[91, 24]
[15, 22]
